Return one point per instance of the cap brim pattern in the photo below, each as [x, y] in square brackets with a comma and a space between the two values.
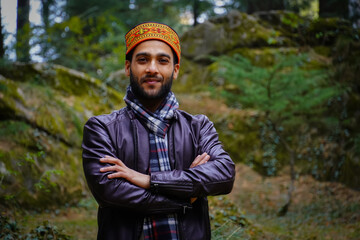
[152, 31]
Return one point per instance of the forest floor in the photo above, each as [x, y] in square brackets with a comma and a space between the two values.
[319, 210]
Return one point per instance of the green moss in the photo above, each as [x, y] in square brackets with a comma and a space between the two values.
[11, 129]
[264, 57]
[323, 50]
[228, 221]
[39, 169]
[239, 135]
[72, 84]
[10, 93]
[20, 72]
[37, 178]
[51, 120]
[224, 34]
[325, 31]
[192, 79]
[291, 19]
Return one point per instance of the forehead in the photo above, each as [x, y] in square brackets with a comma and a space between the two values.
[153, 47]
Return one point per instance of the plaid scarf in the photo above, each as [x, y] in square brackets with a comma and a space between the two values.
[160, 226]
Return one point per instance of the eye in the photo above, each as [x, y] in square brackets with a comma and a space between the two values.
[141, 60]
[164, 60]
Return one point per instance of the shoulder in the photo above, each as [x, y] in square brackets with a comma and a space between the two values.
[195, 120]
[200, 127]
[108, 119]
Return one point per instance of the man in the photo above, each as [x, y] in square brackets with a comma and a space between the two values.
[149, 165]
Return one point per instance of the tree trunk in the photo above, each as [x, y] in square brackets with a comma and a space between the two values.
[45, 12]
[292, 153]
[334, 8]
[354, 12]
[284, 209]
[2, 47]
[23, 31]
[261, 5]
[196, 11]
[251, 7]
[45, 15]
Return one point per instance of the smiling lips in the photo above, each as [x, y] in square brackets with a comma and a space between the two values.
[151, 80]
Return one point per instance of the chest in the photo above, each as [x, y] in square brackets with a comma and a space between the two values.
[133, 146]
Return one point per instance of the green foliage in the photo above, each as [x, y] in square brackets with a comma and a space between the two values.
[326, 31]
[10, 230]
[88, 44]
[285, 91]
[291, 95]
[45, 183]
[239, 135]
[261, 5]
[336, 152]
[224, 214]
[47, 231]
[228, 221]
[292, 20]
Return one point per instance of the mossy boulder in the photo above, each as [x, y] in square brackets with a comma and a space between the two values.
[223, 34]
[43, 109]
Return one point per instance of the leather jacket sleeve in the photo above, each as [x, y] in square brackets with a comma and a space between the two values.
[212, 178]
[97, 142]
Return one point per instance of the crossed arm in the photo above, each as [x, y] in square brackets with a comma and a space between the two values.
[120, 170]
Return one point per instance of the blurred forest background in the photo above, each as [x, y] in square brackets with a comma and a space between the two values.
[279, 79]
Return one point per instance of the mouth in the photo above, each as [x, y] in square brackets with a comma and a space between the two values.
[151, 80]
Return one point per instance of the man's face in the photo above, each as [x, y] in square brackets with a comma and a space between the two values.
[152, 69]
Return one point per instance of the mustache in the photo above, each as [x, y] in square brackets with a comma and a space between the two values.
[157, 78]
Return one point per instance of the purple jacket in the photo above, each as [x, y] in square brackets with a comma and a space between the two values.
[122, 205]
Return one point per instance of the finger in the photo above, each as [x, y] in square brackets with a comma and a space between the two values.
[199, 159]
[193, 164]
[204, 160]
[115, 175]
[112, 160]
[109, 169]
[109, 157]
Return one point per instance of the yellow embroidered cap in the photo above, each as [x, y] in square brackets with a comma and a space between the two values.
[152, 31]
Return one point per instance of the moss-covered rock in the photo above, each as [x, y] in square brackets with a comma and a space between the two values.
[43, 109]
[223, 34]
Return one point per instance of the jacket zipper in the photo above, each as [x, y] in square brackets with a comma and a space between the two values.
[135, 136]
[171, 144]
[182, 187]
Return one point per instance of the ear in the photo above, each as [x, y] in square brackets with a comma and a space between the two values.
[127, 68]
[176, 70]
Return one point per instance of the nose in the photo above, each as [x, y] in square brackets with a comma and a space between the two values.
[152, 67]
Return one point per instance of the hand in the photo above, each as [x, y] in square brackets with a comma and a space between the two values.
[200, 159]
[122, 171]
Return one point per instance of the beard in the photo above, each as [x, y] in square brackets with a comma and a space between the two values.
[140, 93]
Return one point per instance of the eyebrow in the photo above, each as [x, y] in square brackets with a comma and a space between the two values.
[148, 55]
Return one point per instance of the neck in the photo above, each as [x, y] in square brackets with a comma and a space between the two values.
[151, 104]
